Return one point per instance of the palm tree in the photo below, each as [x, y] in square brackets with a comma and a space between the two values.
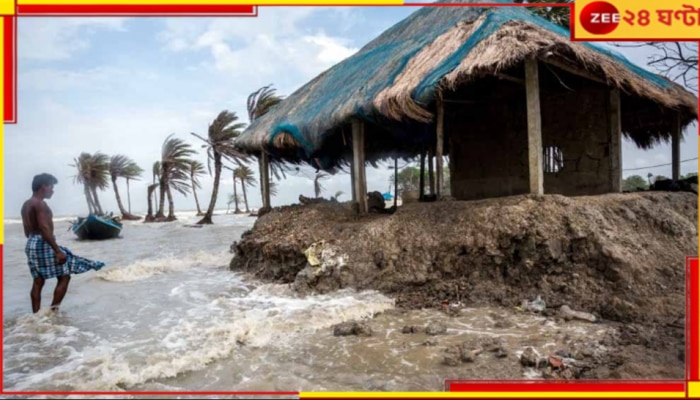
[273, 188]
[318, 188]
[219, 144]
[123, 167]
[151, 188]
[246, 176]
[173, 164]
[235, 191]
[338, 194]
[258, 104]
[93, 174]
[232, 198]
[196, 169]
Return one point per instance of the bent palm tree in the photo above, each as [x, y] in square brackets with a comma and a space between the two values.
[258, 104]
[219, 144]
[173, 163]
[246, 176]
[151, 188]
[123, 167]
[93, 174]
[196, 170]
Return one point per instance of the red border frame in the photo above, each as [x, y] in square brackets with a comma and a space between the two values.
[10, 116]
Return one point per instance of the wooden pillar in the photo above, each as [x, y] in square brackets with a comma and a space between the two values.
[534, 127]
[421, 180]
[358, 153]
[439, 126]
[264, 164]
[676, 145]
[615, 141]
[431, 173]
[352, 178]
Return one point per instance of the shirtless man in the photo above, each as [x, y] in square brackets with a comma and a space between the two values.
[38, 227]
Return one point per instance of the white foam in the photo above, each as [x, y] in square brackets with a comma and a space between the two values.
[144, 269]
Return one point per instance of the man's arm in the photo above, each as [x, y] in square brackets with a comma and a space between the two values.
[43, 218]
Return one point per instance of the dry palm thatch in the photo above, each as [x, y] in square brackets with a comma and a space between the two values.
[393, 81]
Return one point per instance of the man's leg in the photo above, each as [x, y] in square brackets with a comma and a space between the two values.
[35, 294]
[60, 291]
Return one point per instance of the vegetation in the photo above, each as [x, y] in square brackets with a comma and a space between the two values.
[174, 167]
[93, 174]
[196, 169]
[219, 144]
[246, 176]
[121, 166]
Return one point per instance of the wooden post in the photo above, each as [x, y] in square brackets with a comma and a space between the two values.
[421, 185]
[438, 145]
[534, 127]
[431, 173]
[396, 180]
[352, 177]
[358, 154]
[676, 145]
[615, 141]
[265, 179]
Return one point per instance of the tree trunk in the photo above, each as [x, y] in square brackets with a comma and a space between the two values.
[215, 191]
[125, 214]
[171, 206]
[98, 206]
[235, 195]
[163, 188]
[128, 195]
[91, 207]
[150, 217]
[196, 200]
[245, 197]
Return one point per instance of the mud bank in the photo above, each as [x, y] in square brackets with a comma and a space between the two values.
[618, 256]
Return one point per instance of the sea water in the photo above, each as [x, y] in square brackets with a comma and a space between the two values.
[167, 314]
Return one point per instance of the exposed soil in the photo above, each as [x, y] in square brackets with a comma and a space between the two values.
[618, 256]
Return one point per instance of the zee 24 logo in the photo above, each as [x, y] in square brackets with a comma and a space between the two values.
[600, 17]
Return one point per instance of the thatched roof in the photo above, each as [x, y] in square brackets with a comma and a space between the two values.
[391, 83]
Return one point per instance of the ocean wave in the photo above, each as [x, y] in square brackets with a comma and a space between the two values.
[144, 269]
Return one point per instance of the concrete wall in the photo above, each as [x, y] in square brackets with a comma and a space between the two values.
[488, 143]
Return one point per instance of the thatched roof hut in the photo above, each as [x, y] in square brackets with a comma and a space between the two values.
[392, 82]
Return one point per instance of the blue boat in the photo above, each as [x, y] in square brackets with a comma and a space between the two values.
[95, 227]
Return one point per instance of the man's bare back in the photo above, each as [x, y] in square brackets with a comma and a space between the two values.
[32, 210]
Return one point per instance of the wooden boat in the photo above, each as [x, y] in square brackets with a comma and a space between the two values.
[96, 227]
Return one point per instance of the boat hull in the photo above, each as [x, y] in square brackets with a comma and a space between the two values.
[96, 228]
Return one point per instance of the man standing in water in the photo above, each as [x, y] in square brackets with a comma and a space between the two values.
[45, 257]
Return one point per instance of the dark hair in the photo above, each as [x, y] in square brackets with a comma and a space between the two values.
[43, 179]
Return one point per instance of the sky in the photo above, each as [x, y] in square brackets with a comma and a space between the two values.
[122, 85]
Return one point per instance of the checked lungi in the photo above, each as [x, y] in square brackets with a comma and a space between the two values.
[43, 262]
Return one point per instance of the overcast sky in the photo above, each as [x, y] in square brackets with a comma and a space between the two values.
[122, 85]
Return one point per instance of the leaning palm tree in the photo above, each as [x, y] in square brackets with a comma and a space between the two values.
[273, 188]
[152, 187]
[196, 170]
[219, 144]
[235, 191]
[318, 188]
[247, 177]
[121, 166]
[173, 162]
[178, 179]
[93, 174]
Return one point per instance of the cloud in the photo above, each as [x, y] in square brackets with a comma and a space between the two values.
[278, 44]
[49, 39]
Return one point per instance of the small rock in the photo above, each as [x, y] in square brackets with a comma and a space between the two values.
[436, 328]
[411, 329]
[568, 314]
[548, 373]
[542, 362]
[587, 352]
[430, 342]
[501, 353]
[469, 355]
[567, 374]
[529, 357]
[352, 328]
[555, 362]
[537, 305]
[451, 360]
